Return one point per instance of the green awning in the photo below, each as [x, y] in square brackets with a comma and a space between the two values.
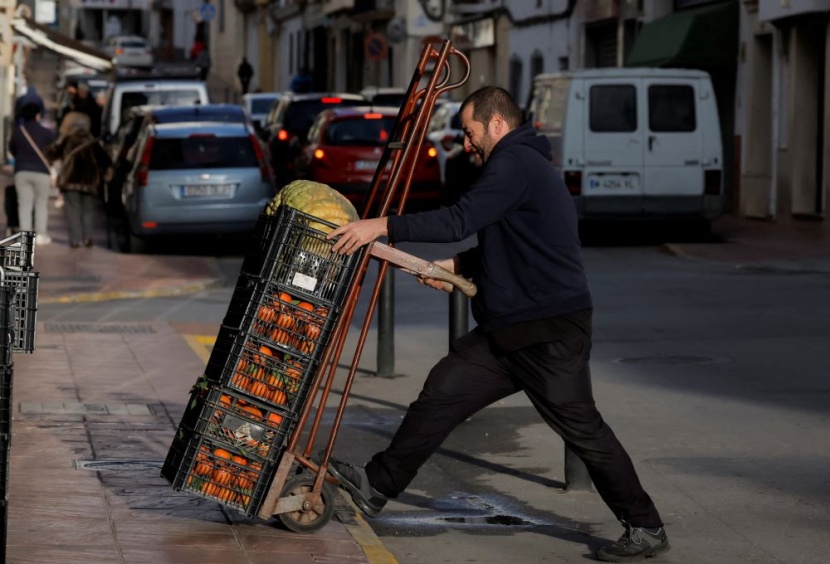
[699, 38]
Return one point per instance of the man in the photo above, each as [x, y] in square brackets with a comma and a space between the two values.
[533, 310]
[303, 81]
[245, 72]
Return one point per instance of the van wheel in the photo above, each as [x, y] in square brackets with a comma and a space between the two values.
[135, 245]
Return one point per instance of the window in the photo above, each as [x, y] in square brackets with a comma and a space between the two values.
[200, 152]
[361, 132]
[671, 108]
[158, 98]
[613, 108]
[515, 76]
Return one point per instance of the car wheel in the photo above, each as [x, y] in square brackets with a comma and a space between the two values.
[135, 245]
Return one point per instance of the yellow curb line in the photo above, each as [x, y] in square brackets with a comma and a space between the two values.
[138, 294]
[361, 532]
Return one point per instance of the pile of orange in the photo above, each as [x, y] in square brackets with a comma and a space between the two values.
[290, 322]
[228, 477]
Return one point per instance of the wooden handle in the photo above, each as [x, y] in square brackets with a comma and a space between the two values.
[421, 267]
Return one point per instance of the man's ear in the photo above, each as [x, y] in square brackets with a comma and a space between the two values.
[497, 121]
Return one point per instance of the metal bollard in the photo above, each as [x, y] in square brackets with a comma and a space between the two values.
[576, 474]
[386, 326]
[459, 306]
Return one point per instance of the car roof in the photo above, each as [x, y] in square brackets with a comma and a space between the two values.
[169, 114]
[357, 111]
[187, 128]
[255, 95]
[129, 38]
[317, 95]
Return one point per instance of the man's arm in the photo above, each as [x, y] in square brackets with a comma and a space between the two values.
[354, 235]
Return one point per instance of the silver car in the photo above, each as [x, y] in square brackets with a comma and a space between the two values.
[258, 104]
[129, 51]
[192, 178]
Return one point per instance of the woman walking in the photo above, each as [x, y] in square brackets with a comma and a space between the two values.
[84, 166]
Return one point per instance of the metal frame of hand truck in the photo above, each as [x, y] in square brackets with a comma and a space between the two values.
[304, 502]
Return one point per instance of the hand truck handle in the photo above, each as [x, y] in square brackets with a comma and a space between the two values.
[420, 267]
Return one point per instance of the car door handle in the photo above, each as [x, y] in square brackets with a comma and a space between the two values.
[650, 142]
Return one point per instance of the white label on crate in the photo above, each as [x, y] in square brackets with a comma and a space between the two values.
[304, 282]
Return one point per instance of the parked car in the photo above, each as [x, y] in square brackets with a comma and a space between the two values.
[444, 130]
[258, 105]
[288, 125]
[149, 89]
[384, 96]
[195, 178]
[634, 143]
[129, 51]
[137, 118]
[344, 151]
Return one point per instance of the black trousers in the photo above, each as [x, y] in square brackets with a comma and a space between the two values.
[557, 379]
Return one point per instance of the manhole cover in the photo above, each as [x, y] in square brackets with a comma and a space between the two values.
[676, 360]
[121, 465]
[96, 328]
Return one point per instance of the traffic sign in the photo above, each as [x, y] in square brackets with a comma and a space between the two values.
[207, 11]
[375, 47]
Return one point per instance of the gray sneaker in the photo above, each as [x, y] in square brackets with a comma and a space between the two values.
[355, 481]
[636, 544]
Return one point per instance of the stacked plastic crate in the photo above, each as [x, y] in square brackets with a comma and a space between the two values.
[18, 317]
[242, 410]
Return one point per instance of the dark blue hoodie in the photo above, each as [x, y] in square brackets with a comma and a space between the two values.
[528, 263]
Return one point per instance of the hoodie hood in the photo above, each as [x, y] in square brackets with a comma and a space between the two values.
[526, 135]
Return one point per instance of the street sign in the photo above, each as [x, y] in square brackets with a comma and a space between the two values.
[375, 47]
[207, 11]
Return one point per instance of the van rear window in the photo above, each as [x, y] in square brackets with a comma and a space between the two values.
[671, 108]
[200, 152]
[613, 108]
[159, 98]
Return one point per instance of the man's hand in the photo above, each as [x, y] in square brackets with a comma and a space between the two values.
[450, 264]
[356, 234]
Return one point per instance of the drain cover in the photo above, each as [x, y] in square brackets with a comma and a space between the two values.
[677, 360]
[96, 328]
[120, 465]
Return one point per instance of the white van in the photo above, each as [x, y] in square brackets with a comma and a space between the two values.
[634, 142]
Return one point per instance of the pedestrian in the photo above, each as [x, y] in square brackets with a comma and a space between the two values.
[84, 103]
[245, 72]
[203, 63]
[30, 96]
[32, 171]
[303, 81]
[533, 311]
[84, 167]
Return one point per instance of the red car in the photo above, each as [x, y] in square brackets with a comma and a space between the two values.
[344, 150]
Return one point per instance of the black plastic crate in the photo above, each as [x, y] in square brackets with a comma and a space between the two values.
[197, 464]
[18, 251]
[256, 430]
[290, 250]
[24, 311]
[6, 405]
[273, 376]
[7, 324]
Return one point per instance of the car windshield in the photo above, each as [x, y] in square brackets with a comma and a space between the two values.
[158, 98]
[133, 44]
[360, 131]
[261, 105]
[300, 115]
[202, 152]
[388, 99]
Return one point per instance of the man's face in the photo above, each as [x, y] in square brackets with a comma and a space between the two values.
[478, 138]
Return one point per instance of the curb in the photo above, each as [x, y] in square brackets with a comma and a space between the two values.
[134, 295]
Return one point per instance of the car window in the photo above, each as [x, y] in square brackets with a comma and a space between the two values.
[261, 105]
[300, 115]
[360, 131]
[134, 44]
[671, 108]
[388, 99]
[613, 108]
[159, 98]
[201, 152]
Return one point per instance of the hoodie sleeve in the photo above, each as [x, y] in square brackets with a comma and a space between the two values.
[500, 189]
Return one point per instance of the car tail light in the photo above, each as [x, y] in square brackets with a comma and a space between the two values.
[432, 152]
[319, 154]
[372, 116]
[711, 182]
[573, 181]
[119, 51]
[282, 135]
[448, 142]
[331, 100]
[144, 163]
[265, 171]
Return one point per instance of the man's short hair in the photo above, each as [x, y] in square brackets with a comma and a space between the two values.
[491, 100]
[29, 111]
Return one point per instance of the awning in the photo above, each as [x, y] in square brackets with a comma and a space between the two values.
[62, 44]
[700, 38]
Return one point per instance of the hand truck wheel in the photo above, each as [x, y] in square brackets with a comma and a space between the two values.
[314, 517]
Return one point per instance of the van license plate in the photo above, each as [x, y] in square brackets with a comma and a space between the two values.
[614, 182]
[206, 190]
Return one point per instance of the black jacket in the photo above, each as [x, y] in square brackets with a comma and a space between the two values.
[528, 263]
[26, 158]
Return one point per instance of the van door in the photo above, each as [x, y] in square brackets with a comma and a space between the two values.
[674, 144]
[613, 155]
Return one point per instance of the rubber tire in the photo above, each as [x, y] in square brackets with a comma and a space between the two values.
[135, 245]
[313, 519]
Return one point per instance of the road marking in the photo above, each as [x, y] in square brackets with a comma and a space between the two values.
[202, 345]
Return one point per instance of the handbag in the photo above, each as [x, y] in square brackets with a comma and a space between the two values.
[53, 173]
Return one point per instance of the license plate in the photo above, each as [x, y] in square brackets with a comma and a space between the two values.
[366, 165]
[206, 190]
[614, 182]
